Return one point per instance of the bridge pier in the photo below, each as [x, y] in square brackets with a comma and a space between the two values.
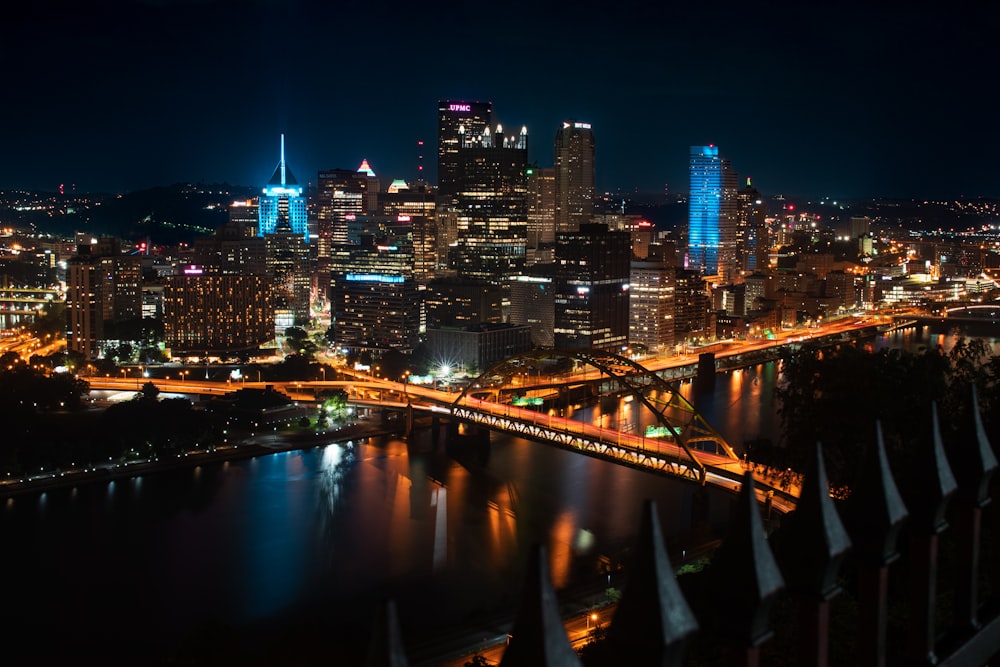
[705, 380]
[464, 440]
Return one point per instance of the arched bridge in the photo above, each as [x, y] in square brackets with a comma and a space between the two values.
[523, 394]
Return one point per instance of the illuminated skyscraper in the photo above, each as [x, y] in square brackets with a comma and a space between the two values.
[374, 305]
[456, 121]
[342, 194]
[651, 300]
[282, 198]
[541, 184]
[492, 206]
[103, 287]
[575, 189]
[288, 264]
[592, 288]
[220, 313]
[751, 230]
[711, 215]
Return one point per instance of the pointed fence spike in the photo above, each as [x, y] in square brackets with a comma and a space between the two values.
[936, 484]
[820, 540]
[653, 619]
[538, 638]
[745, 576]
[386, 647]
[876, 512]
[975, 462]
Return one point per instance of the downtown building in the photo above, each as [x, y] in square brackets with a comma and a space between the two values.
[752, 241]
[217, 314]
[456, 121]
[415, 204]
[482, 193]
[575, 188]
[103, 288]
[281, 199]
[651, 301]
[491, 207]
[287, 262]
[532, 303]
[591, 298]
[341, 194]
[374, 299]
[712, 236]
[541, 186]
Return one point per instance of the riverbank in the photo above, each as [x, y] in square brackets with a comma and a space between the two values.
[258, 445]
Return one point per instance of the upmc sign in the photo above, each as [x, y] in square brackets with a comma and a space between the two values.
[459, 107]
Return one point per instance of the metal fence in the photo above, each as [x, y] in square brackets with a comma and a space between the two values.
[885, 552]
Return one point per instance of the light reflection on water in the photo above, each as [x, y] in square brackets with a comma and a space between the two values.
[324, 534]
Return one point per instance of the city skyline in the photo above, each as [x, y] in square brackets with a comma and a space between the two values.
[864, 102]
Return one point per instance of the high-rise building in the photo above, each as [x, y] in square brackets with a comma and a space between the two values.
[532, 303]
[651, 301]
[574, 182]
[244, 213]
[374, 305]
[224, 313]
[692, 307]
[456, 121]
[340, 194]
[282, 199]
[541, 184]
[491, 206]
[415, 204]
[103, 287]
[460, 303]
[752, 241]
[234, 248]
[288, 264]
[711, 242]
[592, 288]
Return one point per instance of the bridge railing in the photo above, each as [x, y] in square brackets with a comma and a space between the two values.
[865, 576]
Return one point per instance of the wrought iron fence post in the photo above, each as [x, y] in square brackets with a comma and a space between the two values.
[875, 515]
[929, 502]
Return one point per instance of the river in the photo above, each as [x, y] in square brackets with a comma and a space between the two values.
[288, 554]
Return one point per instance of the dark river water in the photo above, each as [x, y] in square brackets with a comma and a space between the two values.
[283, 558]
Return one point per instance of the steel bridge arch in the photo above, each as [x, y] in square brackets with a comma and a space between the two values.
[686, 426]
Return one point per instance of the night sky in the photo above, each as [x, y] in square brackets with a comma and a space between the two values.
[808, 101]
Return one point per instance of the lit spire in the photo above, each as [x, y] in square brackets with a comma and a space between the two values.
[365, 168]
[282, 163]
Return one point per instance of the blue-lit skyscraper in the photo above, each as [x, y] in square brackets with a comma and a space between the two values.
[282, 200]
[711, 215]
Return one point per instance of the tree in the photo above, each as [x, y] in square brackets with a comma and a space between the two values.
[149, 392]
[834, 396]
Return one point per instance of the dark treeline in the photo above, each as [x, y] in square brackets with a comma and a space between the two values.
[833, 396]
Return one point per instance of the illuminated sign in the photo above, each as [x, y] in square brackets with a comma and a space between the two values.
[193, 271]
[658, 432]
[582, 126]
[402, 218]
[459, 107]
[373, 278]
[526, 400]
